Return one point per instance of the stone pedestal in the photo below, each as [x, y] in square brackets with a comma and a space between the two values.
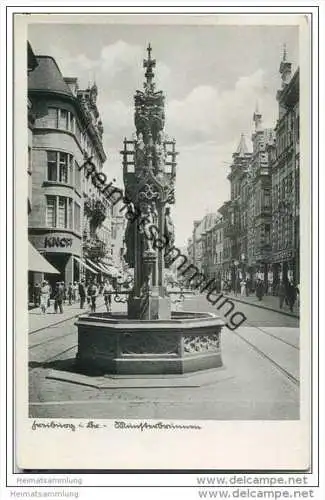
[185, 343]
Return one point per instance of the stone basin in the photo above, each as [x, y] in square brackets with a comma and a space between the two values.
[187, 342]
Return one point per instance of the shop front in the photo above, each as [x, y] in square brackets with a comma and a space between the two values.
[59, 248]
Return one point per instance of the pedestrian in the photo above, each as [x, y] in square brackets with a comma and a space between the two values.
[243, 288]
[107, 289]
[281, 293]
[93, 297]
[58, 297]
[64, 292]
[75, 291]
[37, 294]
[44, 296]
[291, 294]
[70, 294]
[248, 286]
[82, 293]
[259, 289]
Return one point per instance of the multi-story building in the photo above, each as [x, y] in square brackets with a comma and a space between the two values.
[66, 129]
[31, 66]
[227, 261]
[217, 232]
[208, 245]
[284, 158]
[235, 212]
[259, 202]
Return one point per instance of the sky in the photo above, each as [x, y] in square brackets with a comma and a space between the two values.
[213, 78]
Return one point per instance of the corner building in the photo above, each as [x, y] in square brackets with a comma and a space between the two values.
[64, 130]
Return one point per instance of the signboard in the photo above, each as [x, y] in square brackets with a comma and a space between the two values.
[57, 242]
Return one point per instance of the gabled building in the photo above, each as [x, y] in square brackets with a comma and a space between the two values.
[259, 201]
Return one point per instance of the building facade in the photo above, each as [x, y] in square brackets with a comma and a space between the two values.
[235, 214]
[284, 158]
[259, 203]
[66, 129]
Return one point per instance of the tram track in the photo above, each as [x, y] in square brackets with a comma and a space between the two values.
[274, 363]
[262, 352]
[272, 335]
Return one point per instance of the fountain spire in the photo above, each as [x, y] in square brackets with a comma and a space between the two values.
[149, 64]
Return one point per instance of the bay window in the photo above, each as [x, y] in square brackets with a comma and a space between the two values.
[77, 212]
[59, 212]
[59, 118]
[59, 167]
[63, 119]
[51, 211]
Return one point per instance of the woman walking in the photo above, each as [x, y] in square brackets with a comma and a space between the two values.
[44, 296]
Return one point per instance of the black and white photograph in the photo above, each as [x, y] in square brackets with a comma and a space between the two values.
[167, 223]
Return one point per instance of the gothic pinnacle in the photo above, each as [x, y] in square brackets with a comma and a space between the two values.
[149, 64]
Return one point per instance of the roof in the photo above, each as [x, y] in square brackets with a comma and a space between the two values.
[242, 147]
[31, 59]
[47, 77]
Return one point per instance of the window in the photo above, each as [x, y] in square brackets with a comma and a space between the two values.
[72, 124]
[51, 211]
[51, 166]
[64, 119]
[77, 176]
[267, 199]
[63, 212]
[52, 118]
[58, 167]
[59, 212]
[77, 217]
[70, 214]
[63, 167]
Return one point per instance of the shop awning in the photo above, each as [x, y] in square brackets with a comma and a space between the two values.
[38, 263]
[112, 271]
[96, 266]
[83, 264]
[103, 267]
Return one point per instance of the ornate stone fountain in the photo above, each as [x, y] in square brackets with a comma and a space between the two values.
[150, 338]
